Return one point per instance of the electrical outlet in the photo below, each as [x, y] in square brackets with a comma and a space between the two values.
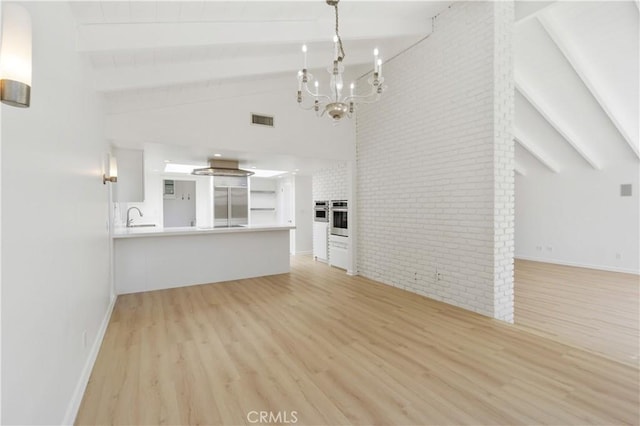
[619, 256]
[539, 248]
[549, 248]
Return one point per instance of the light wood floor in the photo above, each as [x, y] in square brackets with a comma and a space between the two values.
[339, 350]
[592, 309]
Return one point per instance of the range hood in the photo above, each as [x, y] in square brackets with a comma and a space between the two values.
[221, 168]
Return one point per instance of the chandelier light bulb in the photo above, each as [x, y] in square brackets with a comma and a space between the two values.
[304, 52]
[335, 38]
[379, 67]
[375, 52]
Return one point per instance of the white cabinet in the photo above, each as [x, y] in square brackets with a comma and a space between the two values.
[130, 186]
[320, 230]
[339, 251]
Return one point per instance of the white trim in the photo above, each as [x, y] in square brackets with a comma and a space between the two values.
[81, 386]
[582, 72]
[519, 168]
[579, 265]
[305, 252]
[532, 15]
[542, 156]
[565, 132]
[352, 273]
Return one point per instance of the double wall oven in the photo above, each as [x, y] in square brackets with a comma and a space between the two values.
[321, 211]
[339, 221]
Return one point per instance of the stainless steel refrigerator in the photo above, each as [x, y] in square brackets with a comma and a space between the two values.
[231, 201]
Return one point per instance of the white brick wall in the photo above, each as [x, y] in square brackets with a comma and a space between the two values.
[331, 183]
[434, 165]
[503, 174]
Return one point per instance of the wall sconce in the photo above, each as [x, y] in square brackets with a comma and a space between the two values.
[113, 172]
[15, 56]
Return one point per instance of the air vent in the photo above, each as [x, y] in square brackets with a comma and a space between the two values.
[625, 190]
[262, 120]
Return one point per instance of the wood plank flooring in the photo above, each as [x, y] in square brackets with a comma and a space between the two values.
[592, 309]
[339, 350]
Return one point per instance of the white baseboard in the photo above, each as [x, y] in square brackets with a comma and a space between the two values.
[304, 252]
[81, 386]
[579, 265]
[352, 273]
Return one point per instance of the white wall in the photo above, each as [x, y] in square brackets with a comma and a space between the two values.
[435, 165]
[577, 217]
[55, 241]
[304, 215]
[181, 210]
[152, 207]
[218, 118]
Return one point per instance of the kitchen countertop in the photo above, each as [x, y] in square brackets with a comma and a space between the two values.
[170, 232]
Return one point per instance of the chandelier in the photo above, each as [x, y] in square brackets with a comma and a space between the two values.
[335, 103]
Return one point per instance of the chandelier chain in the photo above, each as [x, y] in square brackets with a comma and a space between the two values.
[342, 54]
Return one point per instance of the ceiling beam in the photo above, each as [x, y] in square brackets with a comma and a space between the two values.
[534, 149]
[526, 10]
[138, 77]
[140, 36]
[562, 130]
[519, 168]
[582, 71]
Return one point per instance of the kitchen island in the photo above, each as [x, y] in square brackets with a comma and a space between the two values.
[153, 258]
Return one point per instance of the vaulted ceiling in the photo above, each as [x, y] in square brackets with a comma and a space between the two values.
[577, 94]
[576, 63]
[142, 44]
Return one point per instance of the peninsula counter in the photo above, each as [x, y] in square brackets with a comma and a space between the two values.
[152, 258]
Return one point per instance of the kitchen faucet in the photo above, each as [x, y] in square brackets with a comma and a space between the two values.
[128, 212]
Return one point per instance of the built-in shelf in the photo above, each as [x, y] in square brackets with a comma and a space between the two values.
[263, 208]
[262, 191]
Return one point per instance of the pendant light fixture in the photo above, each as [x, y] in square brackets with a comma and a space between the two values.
[336, 103]
[15, 56]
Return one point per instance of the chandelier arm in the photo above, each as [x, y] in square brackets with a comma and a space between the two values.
[306, 108]
[315, 95]
[368, 98]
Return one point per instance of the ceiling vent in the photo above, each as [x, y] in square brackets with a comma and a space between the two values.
[262, 120]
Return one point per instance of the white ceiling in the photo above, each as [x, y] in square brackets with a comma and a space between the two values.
[576, 69]
[141, 44]
[576, 64]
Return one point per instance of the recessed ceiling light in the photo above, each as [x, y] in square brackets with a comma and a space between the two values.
[167, 161]
[293, 173]
[217, 155]
[253, 167]
[296, 170]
